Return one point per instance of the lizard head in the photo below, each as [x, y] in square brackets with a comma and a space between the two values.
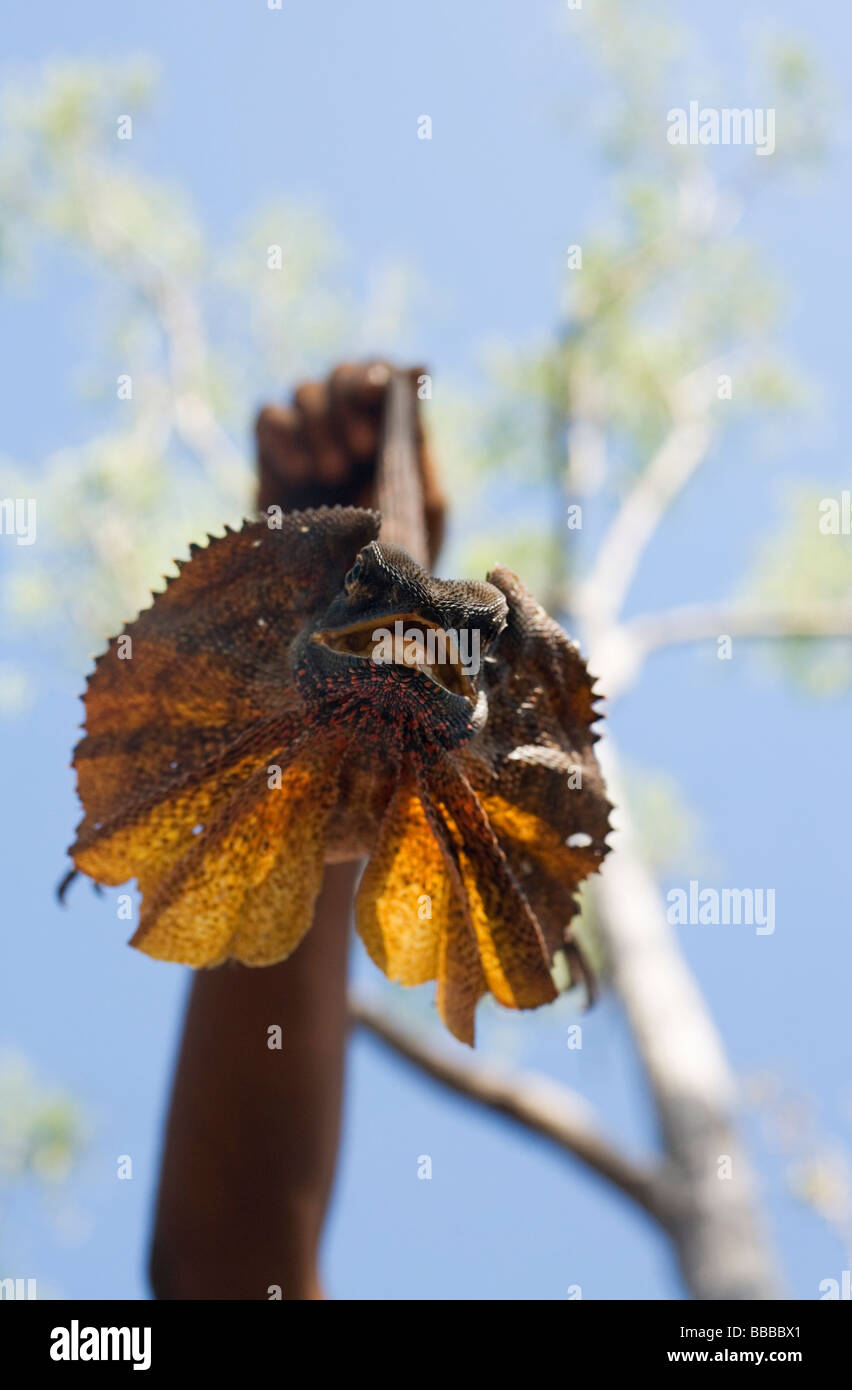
[395, 639]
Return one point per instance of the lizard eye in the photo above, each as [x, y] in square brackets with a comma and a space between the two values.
[353, 576]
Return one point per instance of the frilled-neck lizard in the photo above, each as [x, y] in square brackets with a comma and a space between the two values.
[304, 692]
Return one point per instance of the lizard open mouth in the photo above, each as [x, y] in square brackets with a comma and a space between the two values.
[406, 640]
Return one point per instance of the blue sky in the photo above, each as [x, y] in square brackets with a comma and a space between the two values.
[321, 101]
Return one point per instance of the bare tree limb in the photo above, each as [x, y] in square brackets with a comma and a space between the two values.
[722, 1248]
[697, 622]
[539, 1105]
[620, 652]
[599, 599]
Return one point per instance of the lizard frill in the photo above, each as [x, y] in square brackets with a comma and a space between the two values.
[209, 774]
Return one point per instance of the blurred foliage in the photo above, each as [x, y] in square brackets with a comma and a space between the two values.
[205, 332]
[668, 284]
[800, 563]
[523, 548]
[41, 1131]
[42, 1138]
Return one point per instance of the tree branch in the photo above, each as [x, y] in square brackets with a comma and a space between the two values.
[698, 622]
[619, 655]
[722, 1248]
[539, 1105]
[599, 599]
